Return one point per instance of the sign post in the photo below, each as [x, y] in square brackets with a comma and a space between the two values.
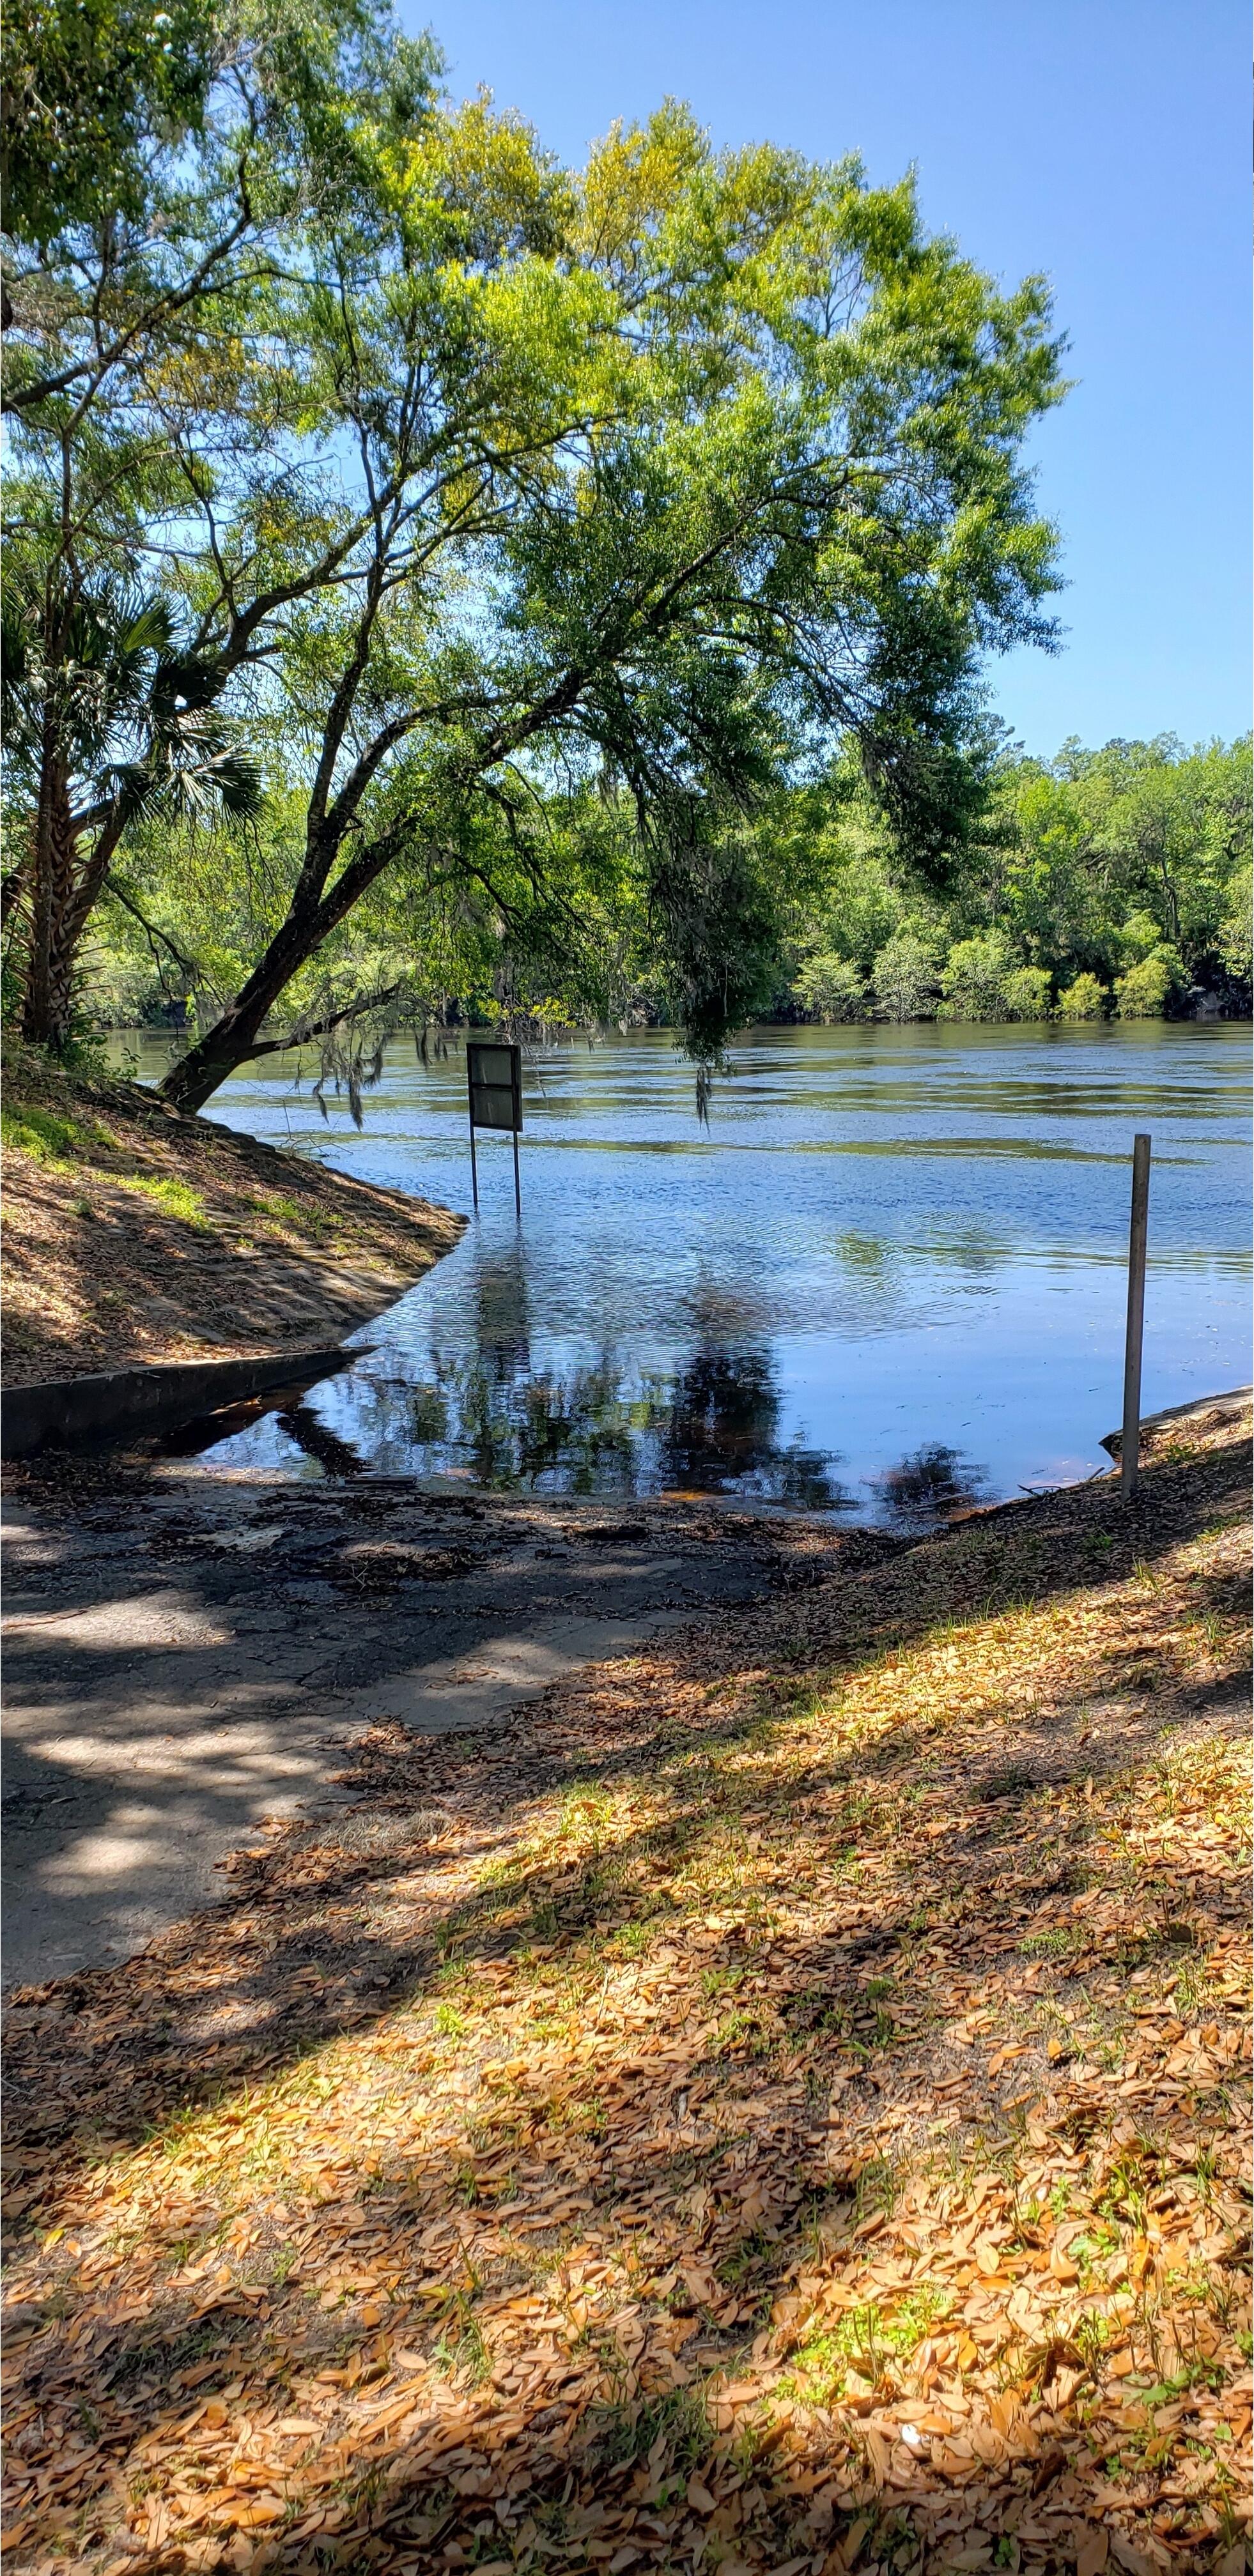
[1130, 1446]
[494, 1097]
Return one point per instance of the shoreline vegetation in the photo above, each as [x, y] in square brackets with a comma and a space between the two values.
[133, 1235]
[778, 2103]
[1099, 885]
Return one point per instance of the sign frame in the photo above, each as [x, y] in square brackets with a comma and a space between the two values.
[494, 1100]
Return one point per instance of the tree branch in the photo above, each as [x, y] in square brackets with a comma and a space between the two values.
[151, 931]
[321, 1028]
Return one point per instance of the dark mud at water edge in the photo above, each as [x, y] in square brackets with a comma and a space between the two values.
[886, 1283]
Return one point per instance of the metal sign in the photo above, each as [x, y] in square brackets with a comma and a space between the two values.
[494, 1092]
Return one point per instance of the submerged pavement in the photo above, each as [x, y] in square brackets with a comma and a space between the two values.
[190, 1653]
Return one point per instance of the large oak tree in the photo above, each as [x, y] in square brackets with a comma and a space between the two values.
[507, 483]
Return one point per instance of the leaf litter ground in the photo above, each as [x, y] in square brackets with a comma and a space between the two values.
[781, 2104]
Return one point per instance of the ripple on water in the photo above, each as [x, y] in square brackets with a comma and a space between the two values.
[887, 1282]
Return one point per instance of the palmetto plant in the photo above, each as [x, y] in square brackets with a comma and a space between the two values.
[108, 720]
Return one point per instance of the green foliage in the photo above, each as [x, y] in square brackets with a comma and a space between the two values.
[159, 164]
[534, 595]
[568, 515]
[865, 2339]
[1142, 993]
[1026, 992]
[84, 84]
[1128, 868]
[173, 1198]
[831, 987]
[975, 977]
[904, 976]
[1083, 999]
[1234, 944]
[671, 2431]
[41, 1134]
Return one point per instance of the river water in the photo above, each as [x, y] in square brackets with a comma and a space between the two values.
[887, 1281]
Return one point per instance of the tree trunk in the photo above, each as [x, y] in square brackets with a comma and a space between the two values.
[63, 929]
[232, 1039]
[313, 916]
[49, 967]
[1172, 900]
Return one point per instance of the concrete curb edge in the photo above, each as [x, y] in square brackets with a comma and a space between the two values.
[69, 1410]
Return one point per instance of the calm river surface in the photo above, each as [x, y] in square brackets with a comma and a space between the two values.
[888, 1279]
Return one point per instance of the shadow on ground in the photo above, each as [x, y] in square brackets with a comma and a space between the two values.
[773, 2105]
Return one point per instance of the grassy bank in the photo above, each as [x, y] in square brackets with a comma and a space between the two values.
[781, 2105]
[132, 1234]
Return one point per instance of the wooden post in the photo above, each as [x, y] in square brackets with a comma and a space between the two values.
[1130, 1448]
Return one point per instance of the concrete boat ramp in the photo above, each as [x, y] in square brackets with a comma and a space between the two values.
[190, 1652]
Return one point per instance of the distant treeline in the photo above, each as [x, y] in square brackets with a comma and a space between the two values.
[1112, 882]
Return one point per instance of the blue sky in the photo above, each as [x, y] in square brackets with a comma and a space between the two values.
[1101, 141]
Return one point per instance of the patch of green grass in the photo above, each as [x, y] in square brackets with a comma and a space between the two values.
[449, 2022]
[585, 1814]
[878, 2187]
[816, 2012]
[914, 2316]
[816, 2371]
[717, 1981]
[672, 2432]
[741, 2030]
[54, 1142]
[289, 1213]
[1047, 1945]
[459, 2347]
[174, 1198]
[746, 2260]
[465, 2182]
[864, 2339]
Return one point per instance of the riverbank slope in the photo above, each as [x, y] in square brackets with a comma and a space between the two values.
[133, 1235]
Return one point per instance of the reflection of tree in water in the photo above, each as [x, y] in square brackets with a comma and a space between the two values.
[931, 1485]
[575, 1432]
[600, 1429]
[502, 1318]
[724, 1430]
[317, 1440]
